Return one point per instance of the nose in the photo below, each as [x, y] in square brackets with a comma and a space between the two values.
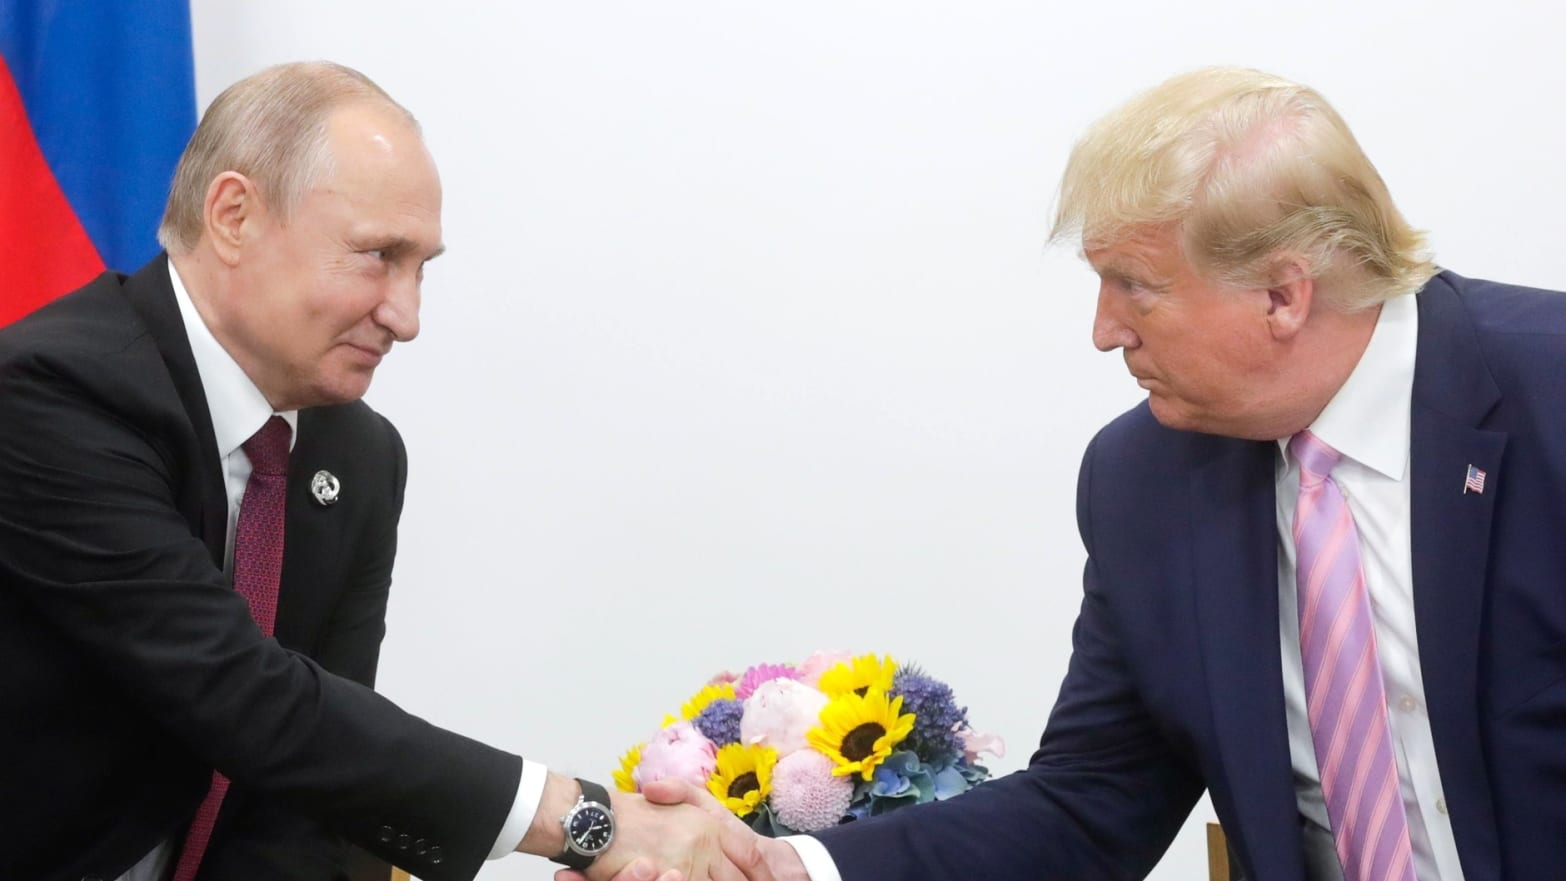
[398, 312]
[1110, 331]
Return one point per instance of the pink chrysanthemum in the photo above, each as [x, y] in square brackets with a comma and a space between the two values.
[746, 685]
[805, 795]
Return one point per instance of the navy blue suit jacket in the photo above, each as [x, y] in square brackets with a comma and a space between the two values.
[1175, 680]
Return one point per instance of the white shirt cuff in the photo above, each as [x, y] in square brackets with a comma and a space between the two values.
[818, 863]
[530, 792]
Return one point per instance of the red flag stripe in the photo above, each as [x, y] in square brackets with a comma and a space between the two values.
[44, 251]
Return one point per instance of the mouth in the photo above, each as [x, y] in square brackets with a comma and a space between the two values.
[372, 355]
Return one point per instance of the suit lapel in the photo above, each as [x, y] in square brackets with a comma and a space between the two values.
[152, 296]
[1236, 572]
[1453, 391]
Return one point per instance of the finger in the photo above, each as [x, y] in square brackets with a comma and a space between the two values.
[638, 869]
[672, 791]
[742, 847]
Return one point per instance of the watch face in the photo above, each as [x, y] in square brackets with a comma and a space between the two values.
[591, 828]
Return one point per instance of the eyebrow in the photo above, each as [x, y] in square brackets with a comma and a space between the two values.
[1121, 269]
[396, 245]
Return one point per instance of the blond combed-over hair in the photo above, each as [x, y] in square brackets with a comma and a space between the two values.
[270, 127]
[1254, 171]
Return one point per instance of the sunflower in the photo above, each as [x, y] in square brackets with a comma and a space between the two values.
[699, 701]
[858, 732]
[623, 780]
[859, 676]
[743, 778]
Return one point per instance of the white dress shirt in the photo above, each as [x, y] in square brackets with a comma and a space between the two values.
[1368, 422]
[238, 410]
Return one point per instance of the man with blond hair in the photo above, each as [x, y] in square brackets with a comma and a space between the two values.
[198, 517]
[1325, 581]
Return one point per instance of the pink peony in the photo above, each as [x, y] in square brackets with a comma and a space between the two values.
[779, 713]
[678, 751]
[746, 685]
[974, 743]
[805, 795]
[810, 671]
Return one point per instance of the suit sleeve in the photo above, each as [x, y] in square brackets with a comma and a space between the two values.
[1101, 798]
[95, 543]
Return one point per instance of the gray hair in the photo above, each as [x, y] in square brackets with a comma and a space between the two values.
[272, 128]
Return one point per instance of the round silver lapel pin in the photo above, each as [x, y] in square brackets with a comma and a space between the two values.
[325, 488]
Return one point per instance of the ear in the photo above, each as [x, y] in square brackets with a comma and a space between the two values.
[232, 204]
[1289, 298]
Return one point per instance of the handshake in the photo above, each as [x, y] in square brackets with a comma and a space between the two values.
[672, 831]
[757, 757]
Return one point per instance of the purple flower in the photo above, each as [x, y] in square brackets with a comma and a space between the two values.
[936, 714]
[720, 721]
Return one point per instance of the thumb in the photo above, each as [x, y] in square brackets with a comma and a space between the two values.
[673, 791]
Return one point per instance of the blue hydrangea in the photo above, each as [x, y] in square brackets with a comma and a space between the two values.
[720, 721]
[936, 715]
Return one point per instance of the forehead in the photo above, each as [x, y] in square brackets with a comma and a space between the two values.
[1140, 250]
[383, 182]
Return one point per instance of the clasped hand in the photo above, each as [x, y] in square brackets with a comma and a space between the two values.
[679, 832]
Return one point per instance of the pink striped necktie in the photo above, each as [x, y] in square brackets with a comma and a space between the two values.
[258, 567]
[1345, 696]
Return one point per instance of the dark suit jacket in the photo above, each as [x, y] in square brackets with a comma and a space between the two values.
[1175, 681]
[129, 668]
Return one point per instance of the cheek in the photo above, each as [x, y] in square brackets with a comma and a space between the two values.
[341, 302]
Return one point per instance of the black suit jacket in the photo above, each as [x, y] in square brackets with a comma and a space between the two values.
[129, 668]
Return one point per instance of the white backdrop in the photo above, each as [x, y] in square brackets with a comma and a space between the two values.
[748, 344]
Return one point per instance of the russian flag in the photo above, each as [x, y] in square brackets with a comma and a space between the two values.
[97, 99]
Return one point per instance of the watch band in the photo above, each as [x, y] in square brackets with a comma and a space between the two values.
[569, 857]
[593, 792]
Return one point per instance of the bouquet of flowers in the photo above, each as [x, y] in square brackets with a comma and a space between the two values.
[798, 748]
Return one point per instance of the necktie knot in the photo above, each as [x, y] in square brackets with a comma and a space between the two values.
[267, 449]
[1316, 458]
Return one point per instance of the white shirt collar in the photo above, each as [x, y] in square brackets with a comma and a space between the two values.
[237, 407]
[1367, 420]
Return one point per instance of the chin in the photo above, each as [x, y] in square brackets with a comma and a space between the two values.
[345, 390]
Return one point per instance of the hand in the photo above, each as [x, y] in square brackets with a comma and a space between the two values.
[754, 857]
[684, 841]
[678, 836]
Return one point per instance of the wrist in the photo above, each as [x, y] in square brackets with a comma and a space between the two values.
[545, 837]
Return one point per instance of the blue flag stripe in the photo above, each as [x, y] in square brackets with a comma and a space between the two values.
[109, 86]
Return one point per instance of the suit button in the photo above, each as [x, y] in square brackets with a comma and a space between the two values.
[436, 855]
[403, 841]
[422, 846]
[386, 834]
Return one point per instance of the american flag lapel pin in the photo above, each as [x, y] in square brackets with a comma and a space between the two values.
[1474, 482]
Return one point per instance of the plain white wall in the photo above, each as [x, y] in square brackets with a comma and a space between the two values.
[748, 343]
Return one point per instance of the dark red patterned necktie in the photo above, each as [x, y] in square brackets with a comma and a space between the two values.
[258, 566]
